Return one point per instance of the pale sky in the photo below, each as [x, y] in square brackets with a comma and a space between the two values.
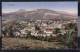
[70, 7]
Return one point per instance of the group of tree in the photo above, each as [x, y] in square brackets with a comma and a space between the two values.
[68, 38]
[71, 35]
[9, 28]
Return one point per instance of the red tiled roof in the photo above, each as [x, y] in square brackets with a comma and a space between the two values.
[48, 29]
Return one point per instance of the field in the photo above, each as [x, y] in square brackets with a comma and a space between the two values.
[22, 43]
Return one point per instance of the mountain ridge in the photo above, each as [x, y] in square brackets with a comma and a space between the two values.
[37, 14]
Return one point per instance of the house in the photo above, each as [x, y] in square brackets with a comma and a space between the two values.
[16, 33]
[57, 25]
[48, 31]
[43, 24]
[23, 31]
[34, 33]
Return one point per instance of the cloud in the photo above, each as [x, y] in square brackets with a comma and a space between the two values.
[71, 11]
[8, 10]
[14, 10]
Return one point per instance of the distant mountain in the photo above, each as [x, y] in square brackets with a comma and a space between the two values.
[38, 14]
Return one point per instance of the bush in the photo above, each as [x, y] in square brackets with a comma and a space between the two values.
[56, 30]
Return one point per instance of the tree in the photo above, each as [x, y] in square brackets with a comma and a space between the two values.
[37, 28]
[10, 30]
[28, 34]
[69, 38]
[70, 33]
[56, 30]
[71, 26]
[4, 31]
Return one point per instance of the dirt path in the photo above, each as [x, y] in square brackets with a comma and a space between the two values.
[16, 43]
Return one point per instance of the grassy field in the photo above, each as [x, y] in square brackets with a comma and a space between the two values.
[22, 43]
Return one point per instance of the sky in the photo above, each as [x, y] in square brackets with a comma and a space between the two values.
[70, 7]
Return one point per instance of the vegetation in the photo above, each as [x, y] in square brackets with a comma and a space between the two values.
[18, 43]
[29, 34]
[56, 30]
[72, 28]
[66, 39]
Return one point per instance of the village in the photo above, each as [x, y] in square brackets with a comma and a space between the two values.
[39, 25]
[42, 30]
[36, 28]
